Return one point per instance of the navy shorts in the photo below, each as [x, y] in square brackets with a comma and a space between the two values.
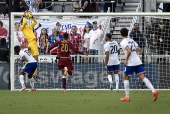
[129, 70]
[113, 68]
[30, 67]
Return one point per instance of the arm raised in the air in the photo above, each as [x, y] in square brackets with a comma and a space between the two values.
[24, 23]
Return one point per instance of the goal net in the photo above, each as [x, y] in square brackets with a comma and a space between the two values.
[150, 30]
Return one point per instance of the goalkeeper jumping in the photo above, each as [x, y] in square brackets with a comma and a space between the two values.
[27, 30]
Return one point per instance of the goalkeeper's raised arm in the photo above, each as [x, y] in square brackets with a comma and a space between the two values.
[24, 22]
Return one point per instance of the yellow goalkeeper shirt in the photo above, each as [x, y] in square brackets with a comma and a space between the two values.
[27, 30]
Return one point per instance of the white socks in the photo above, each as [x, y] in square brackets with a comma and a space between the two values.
[110, 78]
[126, 86]
[148, 84]
[117, 80]
[32, 82]
[21, 78]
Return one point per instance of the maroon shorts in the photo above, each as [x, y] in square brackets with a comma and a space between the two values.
[65, 62]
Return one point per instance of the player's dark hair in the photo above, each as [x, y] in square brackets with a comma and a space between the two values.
[3, 41]
[17, 49]
[124, 32]
[65, 35]
[1, 23]
[108, 35]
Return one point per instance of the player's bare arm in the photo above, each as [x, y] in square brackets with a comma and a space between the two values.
[138, 49]
[36, 3]
[106, 58]
[118, 52]
[128, 54]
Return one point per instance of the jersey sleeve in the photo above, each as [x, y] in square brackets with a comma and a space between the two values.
[34, 22]
[24, 23]
[54, 45]
[74, 49]
[106, 47]
[21, 54]
[136, 45]
[124, 44]
[118, 47]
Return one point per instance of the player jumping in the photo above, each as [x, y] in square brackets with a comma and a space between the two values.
[65, 62]
[111, 60]
[133, 64]
[29, 68]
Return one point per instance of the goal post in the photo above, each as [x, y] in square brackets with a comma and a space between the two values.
[92, 75]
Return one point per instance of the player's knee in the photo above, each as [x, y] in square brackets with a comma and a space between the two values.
[141, 76]
[125, 77]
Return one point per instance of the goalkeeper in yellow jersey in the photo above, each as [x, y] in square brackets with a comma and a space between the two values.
[27, 30]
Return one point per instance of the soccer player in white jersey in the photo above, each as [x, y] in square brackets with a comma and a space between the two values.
[29, 68]
[111, 60]
[133, 64]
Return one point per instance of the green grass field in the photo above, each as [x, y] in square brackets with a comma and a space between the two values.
[82, 102]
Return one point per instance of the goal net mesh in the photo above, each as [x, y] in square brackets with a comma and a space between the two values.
[152, 33]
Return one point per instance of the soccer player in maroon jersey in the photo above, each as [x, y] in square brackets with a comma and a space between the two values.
[65, 62]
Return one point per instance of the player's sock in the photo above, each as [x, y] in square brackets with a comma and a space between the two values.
[117, 81]
[148, 84]
[64, 82]
[110, 78]
[126, 85]
[21, 78]
[32, 83]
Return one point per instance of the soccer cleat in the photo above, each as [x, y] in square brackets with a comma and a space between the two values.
[65, 71]
[22, 88]
[111, 86]
[125, 99]
[64, 90]
[117, 90]
[32, 90]
[155, 95]
[35, 78]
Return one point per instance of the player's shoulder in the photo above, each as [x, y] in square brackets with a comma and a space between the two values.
[21, 52]
[115, 42]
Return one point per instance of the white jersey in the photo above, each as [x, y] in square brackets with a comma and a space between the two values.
[134, 59]
[112, 47]
[29, 58]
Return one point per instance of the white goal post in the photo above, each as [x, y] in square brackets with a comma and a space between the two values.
[146, 55]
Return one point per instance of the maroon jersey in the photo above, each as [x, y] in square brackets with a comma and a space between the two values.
[64, 48]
